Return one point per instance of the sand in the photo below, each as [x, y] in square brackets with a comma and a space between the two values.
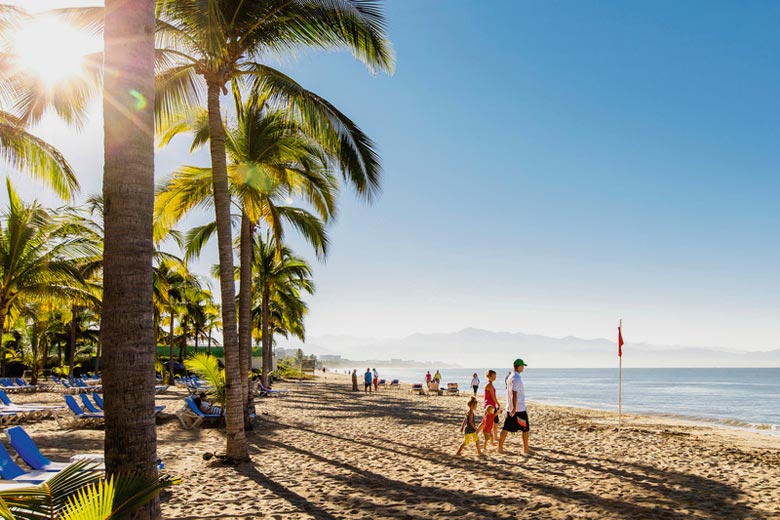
[323, 452]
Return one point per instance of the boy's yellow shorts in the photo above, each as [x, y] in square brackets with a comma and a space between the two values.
[470, 437]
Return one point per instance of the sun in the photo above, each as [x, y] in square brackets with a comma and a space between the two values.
[50, 49]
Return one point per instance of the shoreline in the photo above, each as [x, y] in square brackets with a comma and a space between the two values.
[706, 418]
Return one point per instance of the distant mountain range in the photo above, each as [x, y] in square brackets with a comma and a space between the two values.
[482, 348]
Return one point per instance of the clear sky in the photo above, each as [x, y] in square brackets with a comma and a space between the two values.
[551, 167]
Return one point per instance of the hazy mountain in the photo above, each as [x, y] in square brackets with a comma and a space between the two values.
[479, 348]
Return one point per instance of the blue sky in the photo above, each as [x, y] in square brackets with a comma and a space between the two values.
[552, 167]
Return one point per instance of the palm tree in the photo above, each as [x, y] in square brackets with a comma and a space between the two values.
[39, 324]
[213, 321]
[171, 279]
[271, 158]
[195, 318]
[278, 305]
[39, 258]
[88, 218]
[219, 42]
[128, 192]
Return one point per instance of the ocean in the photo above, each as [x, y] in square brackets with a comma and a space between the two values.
[739, 397]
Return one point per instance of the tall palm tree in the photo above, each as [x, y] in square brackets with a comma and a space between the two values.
[271, 158]
[128, 192]
[219, 41]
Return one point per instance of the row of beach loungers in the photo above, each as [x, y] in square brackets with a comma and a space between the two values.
[433, 388]
[11, 413]
[71, 385]
[76, 385]
[86, 413]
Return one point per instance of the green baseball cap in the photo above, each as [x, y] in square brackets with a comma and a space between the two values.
[519, 363]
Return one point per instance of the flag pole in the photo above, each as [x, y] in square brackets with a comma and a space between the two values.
[620, 377]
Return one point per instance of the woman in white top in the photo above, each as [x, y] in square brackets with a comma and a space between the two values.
[475, 383]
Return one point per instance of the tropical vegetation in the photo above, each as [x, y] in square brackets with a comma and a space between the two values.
[66, 274]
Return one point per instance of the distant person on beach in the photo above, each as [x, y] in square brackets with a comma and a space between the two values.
[475, 383]
[354, 380]
[491, 400]
[470, 429]
[368, 379]
[437, 377]
[516, 414]
[376, 381]
[428, 378]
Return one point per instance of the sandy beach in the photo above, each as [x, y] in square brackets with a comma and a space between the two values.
[324, 452]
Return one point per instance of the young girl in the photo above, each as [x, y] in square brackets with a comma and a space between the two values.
[470, 429]
[487, 428]
[491, 400]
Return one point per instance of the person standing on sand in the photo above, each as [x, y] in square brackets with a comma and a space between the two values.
[516, 413]
[354, 380]
[475, 383]
[376, 381]
[428, 378]
[491, 400]
[437, 377]
[368, 378]
[469, 429]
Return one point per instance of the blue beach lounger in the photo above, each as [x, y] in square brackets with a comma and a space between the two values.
[81, 415]
[9, 470]
[29, 452]
[101, 405]
[191, 416]
[91, 408]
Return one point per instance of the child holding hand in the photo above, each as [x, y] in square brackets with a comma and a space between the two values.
[487, 427]
[470, 429]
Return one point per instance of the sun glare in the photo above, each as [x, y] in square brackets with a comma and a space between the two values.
[50, 49]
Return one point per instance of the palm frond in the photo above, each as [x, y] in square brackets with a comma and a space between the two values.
[27, 152]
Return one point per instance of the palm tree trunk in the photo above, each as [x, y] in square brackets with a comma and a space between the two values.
[209, 350]
[245, 313]
[99, 355]
[267, 355]
[182, 343]
[3, 314]
[128, 190]
[73, 327]
[237, 448]
[170, 351]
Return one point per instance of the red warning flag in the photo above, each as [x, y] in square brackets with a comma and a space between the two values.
[620, 343]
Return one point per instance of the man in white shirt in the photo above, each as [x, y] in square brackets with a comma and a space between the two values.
[516, 413]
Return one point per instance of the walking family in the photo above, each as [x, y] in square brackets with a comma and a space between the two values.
[515, 418]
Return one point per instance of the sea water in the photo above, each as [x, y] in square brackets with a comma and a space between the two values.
[742, 397]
